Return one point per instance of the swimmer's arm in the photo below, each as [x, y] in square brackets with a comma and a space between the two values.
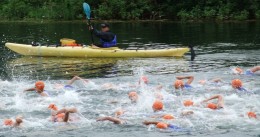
[30, 89]
[186, 113]
[112, 119]
[213, 97]
[217, 80]
[73, 80]
[190, 78]
[64, 110]
[44, 94]
[220, 100]
[150, 122]
[254, 69]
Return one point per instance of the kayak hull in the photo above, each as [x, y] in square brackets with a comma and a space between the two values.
[114, 52]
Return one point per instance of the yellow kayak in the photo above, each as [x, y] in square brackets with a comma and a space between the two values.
[114, 52]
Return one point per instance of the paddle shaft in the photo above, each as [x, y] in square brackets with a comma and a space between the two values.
[87, 11]
[91, 31]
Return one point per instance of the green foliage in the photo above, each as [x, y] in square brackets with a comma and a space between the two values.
[209, 13]
[243, 15]
[183, 15]
[131, 10]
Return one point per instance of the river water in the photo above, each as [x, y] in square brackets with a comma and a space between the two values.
[219, 48]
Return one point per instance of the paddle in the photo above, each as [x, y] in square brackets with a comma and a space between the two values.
[87, 11]
[192, 53]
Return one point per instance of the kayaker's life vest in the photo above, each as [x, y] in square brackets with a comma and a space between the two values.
[108, 44]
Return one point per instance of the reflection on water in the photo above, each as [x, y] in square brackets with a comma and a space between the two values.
[40, 67]
[57, 68]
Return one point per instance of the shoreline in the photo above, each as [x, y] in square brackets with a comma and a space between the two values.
[126, 21]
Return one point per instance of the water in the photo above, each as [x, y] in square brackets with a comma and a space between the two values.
[219, 46]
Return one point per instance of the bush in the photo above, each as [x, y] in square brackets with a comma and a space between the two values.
[224, 12]
[243, 15]
[183, 15]
[15, 9]
[257, 14]
[209, 13]
[196, 13]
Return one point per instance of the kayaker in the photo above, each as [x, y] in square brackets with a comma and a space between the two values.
[39, 88]
[107, 38]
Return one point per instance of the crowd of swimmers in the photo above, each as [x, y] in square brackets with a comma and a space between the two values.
[181, 83]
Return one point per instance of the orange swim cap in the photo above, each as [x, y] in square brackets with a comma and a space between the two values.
[157, 105]
[132, 94]
[239, 70]
[144, 79]
[212, 106]
[251, 114]
[178, 84]
[236, 83]
[39, 85]
[53, 107]
[162, 125]
[61, 115]
[188, 103]
[168, 117]
[8, 122]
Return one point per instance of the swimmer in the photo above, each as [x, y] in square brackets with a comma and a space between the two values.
[133, 96]
[237, 84]
[75, 78]
[116, 119]
[16, 123]
[179, 84]
[161, 125]
[39, 88]
[219, 105]
[249, 72]
[143, 80]
[213, 106]
[251, 115]
[61, 115]
[157, 106]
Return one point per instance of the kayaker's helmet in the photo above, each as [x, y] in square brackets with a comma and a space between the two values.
[104, 27]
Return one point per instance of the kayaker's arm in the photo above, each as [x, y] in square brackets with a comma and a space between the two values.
[105, 36]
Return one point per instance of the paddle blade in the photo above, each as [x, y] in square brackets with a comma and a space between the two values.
[86, 8]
